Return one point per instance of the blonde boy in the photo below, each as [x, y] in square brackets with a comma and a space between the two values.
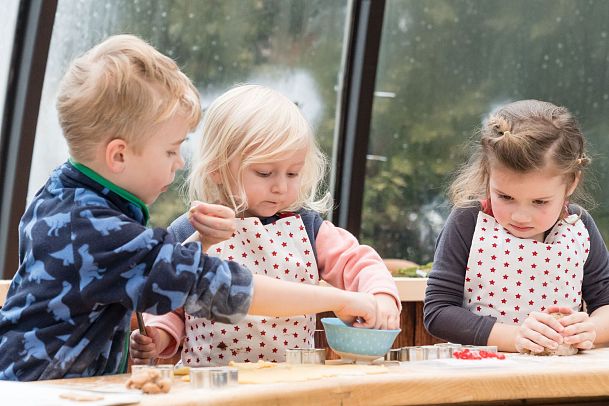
[87, 259]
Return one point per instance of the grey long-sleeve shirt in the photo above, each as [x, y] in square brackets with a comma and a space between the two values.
[444, 314]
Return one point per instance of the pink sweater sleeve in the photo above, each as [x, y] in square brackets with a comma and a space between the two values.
[345, 264]
[172, 323]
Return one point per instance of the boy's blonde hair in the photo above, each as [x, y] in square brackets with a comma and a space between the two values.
[121, 88]
[254, 124]
[523, 136]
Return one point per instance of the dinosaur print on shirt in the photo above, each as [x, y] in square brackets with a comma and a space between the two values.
[86, 262]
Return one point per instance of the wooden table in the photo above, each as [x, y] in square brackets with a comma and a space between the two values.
[538, 380]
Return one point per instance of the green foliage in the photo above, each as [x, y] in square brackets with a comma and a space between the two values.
[449, 64]
[170, 205]
[221, 43]
[411, 272]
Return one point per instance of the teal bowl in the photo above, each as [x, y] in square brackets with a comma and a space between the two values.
[357, 344]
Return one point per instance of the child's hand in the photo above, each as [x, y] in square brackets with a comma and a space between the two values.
[214, 222]
[143, 348]
[358, 309]
[579, 330]
[540, 330]
[387, 312]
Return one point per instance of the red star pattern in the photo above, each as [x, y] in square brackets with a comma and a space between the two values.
[284, 249]
[532, 285]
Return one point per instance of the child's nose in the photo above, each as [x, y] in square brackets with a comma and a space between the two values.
[521, 216]
[180, 162]
[280, 185]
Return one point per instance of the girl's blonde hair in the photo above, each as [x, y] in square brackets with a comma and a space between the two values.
[122, 88]
[523, 136]
[254, 124]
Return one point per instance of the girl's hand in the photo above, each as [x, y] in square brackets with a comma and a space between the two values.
[214, 222]
[358, 309]
[540, 330]
[579, 330]
[143, 348]
[387, 312]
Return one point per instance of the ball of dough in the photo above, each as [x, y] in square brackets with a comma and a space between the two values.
[563, 349]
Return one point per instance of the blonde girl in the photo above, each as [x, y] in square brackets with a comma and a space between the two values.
[514, 249]
[258, 157]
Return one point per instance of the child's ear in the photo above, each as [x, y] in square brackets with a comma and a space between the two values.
[574, 184]
[115, 155]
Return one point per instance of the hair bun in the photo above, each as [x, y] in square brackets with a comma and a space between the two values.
[500, 126]
[583, 161]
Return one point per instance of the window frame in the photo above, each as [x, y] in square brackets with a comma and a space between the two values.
[354, 112]
[32, 39]
[24, 88]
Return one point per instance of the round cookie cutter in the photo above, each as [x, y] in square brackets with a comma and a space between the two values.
[305, 355]
[213, 377]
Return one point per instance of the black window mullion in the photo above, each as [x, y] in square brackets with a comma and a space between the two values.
[26, 75]
[355, 112]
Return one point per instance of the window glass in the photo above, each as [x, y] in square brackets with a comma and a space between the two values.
[8, 20]
[293, 46]
[444, 65]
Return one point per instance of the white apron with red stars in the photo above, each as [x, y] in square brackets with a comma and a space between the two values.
[508, 277]
[281, 250]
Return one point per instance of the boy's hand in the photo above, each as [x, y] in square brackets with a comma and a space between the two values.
[214, 222]
[387, 312]
[358, 309]
[579, 331]
[541, 330]
[143, 348]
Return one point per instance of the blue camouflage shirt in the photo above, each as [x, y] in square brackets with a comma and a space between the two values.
[87, 261]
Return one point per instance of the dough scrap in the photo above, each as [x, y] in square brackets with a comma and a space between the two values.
[181, 371]
[81, 397]
[270, 372]
[149, 381]
[253, 365]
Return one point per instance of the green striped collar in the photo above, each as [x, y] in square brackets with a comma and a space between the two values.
[90, 173]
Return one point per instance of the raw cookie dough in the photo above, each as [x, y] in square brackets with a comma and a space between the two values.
[80, 397]
[180, 371]
[149, 381]
[563, 349]
[269, 372]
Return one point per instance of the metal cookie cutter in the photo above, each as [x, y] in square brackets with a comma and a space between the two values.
[136, 369]
[213, 378]
[419, 353]
[446, 350]
[488, 348]
[479, 350]
[166, 371]
[394, 354]
[416, 353]
[404, 354]
[305, 355]
[430, 352]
